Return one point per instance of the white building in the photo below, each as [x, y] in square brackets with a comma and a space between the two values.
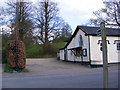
[86, 47]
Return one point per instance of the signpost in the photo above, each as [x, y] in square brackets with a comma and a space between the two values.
[98, 32]
[105, 62]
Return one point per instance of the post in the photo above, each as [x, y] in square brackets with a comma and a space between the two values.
[105, 62]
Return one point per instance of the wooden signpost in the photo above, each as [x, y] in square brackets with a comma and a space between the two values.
[102, 32]
[104, 53]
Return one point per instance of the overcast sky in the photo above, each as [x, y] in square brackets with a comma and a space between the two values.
[77, 12]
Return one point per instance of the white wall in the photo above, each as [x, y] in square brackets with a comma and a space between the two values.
[71, 45]
[96, 54]
[113, 53]
[62, 54]
[75, 43]
[70, 56]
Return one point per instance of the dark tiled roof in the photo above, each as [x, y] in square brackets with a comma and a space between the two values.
[61, 48]
[92, 31]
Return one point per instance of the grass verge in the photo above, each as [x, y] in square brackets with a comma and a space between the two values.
[10, 70]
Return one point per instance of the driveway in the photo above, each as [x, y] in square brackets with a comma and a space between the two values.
[52, 73]
[47, 65]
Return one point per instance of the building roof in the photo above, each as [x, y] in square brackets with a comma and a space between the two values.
[92, 31]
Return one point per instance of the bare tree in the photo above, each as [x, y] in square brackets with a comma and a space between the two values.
[66, 30]
[24, 17]
[110, 14]
[48, 21]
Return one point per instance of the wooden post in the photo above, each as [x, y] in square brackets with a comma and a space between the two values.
[105, 62]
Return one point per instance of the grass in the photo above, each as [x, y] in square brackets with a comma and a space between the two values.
[24, 70]
[10, 70]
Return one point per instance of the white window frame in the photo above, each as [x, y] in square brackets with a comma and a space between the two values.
[117, 42]
[118, 46]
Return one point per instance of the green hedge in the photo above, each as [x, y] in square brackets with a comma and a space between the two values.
[34, 51]
[37, 51]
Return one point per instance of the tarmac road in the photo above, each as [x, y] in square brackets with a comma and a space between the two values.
[52, 73]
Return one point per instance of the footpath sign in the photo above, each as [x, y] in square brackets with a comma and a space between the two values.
[104, 53]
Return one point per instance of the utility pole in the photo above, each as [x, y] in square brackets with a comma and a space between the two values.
[104, 52]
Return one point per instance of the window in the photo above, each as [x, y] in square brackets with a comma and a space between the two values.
[117, 42]
[101, 47]
[80, 41]
[118, 46]
[84, 52]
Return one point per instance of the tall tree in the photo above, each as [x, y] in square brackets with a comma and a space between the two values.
[66, 30]
[47, 21]
[24, 18]
[110, 14]
[64, 34]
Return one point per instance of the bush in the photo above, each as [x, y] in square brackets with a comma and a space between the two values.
[4, 56]
[54, 48]
[37, 51]
[16, 51]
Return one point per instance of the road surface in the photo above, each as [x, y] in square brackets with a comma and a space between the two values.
[51, 73]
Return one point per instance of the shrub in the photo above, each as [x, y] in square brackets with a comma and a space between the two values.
[35, 51]
[16, 51]
[4, 57]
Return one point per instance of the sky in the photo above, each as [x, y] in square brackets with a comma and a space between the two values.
[76, 12]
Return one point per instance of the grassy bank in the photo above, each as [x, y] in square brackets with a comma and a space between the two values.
[10, 70]
[37, 51]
